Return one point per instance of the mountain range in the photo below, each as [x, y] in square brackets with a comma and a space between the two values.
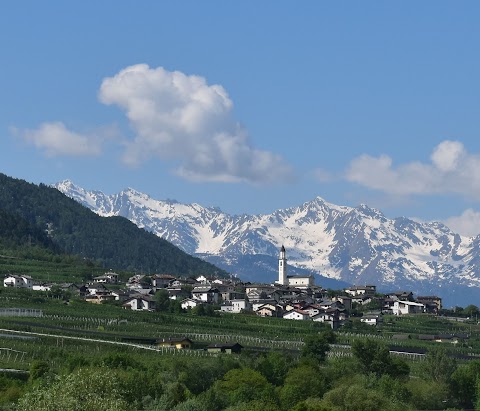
[340, 245]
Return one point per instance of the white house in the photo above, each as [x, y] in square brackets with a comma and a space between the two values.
[407, 307]
[311, 310]
[18, 281]
[357, 290]
[259, 303]
[140, 302]
[325, 316]
[42, 287]
[236, 306]
[177, 293]
[201, 279]
[241, 305]
[226, 307]
[97, 288]
[107, 278]
[162, 280]
[296, 315]
[266, 311]
[269, 310]
[206, 294]
[300, 281]
[189, 303]
[372, 319]
[332, 317]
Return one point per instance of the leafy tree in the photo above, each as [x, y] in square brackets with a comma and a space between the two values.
[374, 357]
[471, 311]
[428, 395]
[121, 360]
[76, 361]
[199, 376]
[38, 369]
[356, 397]
[174, 394]
[314, 404]
[243, 385]
[316, 346]
[191, 404]
[393, 389]
[162, 300]
[255, 405]
[199, 310]
[274, 366]
[92, 389]
[301, 383]
[11, 389]
[464, 383]
[438, 365]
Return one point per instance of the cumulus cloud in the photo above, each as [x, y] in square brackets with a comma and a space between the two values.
[181, 118]
[447, 155]
[56, 140]
[452, 170]
[467, 224]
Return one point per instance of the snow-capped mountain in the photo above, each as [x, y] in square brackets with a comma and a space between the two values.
[352, 245]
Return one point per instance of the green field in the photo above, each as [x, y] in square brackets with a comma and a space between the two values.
[71, 341]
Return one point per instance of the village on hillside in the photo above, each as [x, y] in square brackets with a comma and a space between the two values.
[290, 297]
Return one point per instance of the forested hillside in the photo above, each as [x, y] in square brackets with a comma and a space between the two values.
[40, 215]
[16, 232]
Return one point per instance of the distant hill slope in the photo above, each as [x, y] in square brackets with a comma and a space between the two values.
[15, 232]
[28, 210]
[354, 245]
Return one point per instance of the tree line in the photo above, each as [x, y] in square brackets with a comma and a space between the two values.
[371, 379]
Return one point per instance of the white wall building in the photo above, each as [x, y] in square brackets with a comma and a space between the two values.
[18, 281]
[296, 315]
[189, 303]
[298, 281]
[407, 307]
[372, 319]
[140, 303]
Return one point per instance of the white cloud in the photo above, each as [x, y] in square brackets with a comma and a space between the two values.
[467, 224]
[452, 170]
[181, 118]
[56, 140]
[447, 155]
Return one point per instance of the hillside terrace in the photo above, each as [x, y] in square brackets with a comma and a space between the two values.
[228, 296]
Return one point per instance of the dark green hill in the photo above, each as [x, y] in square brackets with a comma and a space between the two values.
[28, 210]
[17, 232]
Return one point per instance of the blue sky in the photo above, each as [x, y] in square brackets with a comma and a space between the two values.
[250, 106]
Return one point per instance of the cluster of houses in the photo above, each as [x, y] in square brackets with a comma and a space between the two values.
[291, 297]
[397, 303]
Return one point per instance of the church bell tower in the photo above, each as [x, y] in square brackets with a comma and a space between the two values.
[282, 267]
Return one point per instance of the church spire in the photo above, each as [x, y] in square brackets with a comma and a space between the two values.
[282, 267]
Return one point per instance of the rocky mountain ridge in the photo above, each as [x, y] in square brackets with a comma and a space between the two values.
[351, 245]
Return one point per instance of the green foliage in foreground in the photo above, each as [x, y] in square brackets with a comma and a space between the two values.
[124, 378]
[295, 367]
[229, 383]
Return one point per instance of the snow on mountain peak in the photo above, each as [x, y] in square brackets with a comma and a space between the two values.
[357, 245]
